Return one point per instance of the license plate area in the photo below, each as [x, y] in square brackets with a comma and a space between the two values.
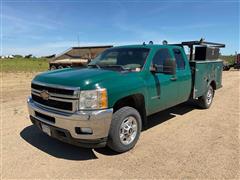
[46, 129]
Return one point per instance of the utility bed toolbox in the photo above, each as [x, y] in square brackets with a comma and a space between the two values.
[203, 73]
[206, 53]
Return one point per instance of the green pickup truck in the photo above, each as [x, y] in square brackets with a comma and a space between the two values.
[108, 101]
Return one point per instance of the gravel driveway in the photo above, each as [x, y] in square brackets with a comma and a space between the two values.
[181, 142]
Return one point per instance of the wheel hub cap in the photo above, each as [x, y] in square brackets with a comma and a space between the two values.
[128, 130]
[209, 96]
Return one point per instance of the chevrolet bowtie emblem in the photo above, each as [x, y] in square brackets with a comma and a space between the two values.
[44, 94]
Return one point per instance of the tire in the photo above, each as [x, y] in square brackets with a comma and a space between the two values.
[205, 101]
[226, 68]
[125, 129]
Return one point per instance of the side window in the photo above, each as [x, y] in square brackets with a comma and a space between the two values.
[160, 57]
[179, 59]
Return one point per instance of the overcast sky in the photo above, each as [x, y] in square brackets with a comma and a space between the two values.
[49, 27]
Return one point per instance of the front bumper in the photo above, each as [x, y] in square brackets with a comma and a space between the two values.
[63, 125]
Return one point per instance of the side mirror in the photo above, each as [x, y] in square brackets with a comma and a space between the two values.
[169, 67]
[153, 68]
[156, 68]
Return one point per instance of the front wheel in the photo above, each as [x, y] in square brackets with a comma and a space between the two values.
[205, 101]
[125, 129]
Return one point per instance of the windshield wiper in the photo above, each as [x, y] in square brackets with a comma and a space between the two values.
[94, 65]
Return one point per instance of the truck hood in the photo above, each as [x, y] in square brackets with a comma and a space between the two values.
[75, 77]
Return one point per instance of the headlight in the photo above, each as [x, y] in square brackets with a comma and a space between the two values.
[93, 99]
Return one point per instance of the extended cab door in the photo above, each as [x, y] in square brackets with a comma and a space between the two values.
[183, 74]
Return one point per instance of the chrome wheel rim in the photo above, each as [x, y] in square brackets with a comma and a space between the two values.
[128, 130]
[209, 96]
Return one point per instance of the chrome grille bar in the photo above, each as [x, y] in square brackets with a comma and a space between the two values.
[54, 87]
[55, 98]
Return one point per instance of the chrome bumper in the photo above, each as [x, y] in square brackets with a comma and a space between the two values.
[98, 120]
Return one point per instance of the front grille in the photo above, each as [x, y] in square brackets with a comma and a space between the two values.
[53, 89]
[59, 97]
[53, 103]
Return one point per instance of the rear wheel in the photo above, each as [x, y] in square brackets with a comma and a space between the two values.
[226, 68]
[205, 101]
[125, 129]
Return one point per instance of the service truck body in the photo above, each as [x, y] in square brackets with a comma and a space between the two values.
[108, 102]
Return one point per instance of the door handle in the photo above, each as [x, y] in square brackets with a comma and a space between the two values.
[173, 78]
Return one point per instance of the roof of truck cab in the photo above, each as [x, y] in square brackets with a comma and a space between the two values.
[150, 46]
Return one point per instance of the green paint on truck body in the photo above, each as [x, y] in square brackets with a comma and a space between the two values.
[158, 89]
[204, 73]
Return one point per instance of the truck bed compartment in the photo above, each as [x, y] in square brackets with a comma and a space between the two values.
[203, 73]
[206, 53]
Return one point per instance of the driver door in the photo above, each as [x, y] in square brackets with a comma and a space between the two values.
[162, 87]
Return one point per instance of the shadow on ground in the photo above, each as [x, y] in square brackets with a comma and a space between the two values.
[56, 148]
[168, 114]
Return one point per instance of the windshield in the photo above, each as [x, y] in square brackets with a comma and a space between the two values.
[122, 58]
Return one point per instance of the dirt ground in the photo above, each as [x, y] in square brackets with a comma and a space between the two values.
[181, 142]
